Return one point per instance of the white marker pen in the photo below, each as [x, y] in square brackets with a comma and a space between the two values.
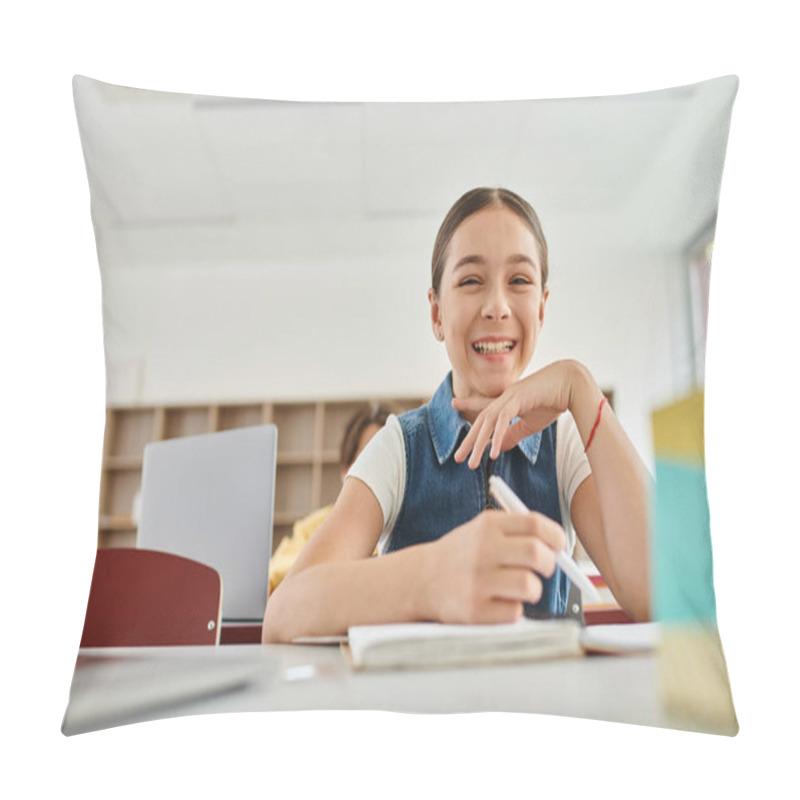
[508, 501]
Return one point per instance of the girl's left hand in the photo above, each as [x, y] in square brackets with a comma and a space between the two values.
[536, 400]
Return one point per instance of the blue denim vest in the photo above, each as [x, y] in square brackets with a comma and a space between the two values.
[441, 495]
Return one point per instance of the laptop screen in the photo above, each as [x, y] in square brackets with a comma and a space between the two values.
[211, 498]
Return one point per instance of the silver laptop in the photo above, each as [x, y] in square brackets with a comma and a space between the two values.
[211, 498]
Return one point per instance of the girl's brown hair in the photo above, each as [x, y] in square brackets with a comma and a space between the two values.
[470, 203]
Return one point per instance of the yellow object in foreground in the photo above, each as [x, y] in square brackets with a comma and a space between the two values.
[678, 432]
[693, 677]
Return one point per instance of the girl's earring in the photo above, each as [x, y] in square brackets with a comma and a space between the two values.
[439, 334]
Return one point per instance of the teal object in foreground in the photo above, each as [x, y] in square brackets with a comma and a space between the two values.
[684, 587]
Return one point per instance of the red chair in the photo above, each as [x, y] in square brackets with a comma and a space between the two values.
[145, 598]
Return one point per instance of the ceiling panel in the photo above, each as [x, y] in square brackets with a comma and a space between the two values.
[285, 160]
[245, 178]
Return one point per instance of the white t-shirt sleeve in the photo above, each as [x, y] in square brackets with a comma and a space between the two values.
[572, 469]
[381, 465]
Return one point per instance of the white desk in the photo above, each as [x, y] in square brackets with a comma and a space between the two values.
[120, 686]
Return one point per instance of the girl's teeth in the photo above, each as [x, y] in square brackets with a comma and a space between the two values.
[492, 347]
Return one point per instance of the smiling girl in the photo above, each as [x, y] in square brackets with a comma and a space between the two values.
[420, 488]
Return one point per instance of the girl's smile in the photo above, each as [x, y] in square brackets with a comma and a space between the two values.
[490, 305]
[494, 347]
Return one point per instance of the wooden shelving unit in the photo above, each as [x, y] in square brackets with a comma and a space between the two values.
[308, 476]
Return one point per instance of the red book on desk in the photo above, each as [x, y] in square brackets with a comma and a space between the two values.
[605, 612]
[240, 633]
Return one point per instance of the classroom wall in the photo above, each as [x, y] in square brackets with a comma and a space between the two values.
[357, 327]
[282, 252]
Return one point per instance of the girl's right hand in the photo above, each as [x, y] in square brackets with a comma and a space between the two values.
[487, 568]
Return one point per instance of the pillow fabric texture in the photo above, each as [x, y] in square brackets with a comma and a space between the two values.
[273, 251]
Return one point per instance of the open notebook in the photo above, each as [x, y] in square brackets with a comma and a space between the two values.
[430, 644]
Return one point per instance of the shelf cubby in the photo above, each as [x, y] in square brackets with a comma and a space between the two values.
[308, 473]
